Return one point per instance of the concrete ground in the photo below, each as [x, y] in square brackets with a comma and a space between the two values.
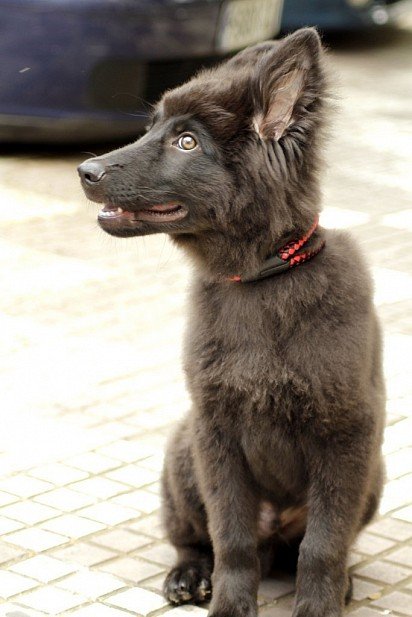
[90, 368]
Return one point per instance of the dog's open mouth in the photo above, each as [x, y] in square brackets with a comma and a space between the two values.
[159, 213]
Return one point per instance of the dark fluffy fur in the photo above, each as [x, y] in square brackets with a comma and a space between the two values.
[280, 454]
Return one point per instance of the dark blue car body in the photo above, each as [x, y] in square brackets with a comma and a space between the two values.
[87, 70]
[78, 68]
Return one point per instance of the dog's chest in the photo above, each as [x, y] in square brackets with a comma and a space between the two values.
[272, 452]
[234, 362]
[232, 341]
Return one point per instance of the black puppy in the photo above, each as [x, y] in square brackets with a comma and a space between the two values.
[283, 352]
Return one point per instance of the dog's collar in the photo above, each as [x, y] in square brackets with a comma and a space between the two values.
[285, 258]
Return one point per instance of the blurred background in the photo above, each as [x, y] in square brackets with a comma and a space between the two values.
[90, 375]
[88, 70]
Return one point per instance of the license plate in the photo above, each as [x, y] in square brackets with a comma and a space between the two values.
[244, 22]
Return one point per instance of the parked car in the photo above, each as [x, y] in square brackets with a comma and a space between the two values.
[342, 14]
[87, 70]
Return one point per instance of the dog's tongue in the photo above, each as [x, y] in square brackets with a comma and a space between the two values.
[162, 207]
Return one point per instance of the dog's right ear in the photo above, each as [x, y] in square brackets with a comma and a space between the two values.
[250, 55]
[287, 78]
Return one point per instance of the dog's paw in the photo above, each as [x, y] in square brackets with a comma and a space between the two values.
[241, 604]
[188, 583]
[235, 611]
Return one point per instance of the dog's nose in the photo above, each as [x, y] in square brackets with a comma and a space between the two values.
[91, 171]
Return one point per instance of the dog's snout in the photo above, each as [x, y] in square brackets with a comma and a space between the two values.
[91, 171]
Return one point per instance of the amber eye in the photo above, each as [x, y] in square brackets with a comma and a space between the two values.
[186, 142]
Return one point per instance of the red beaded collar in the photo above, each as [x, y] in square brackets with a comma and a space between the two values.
[286, 257]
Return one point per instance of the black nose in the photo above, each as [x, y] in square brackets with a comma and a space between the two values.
[91, 171]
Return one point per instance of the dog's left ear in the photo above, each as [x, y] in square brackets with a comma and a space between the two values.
[287, 80]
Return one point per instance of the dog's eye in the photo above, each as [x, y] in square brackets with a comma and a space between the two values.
[186, 142]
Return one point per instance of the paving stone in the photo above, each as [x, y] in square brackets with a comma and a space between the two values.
[372, 545]
[24, 486]
[80, 420]
[392, 528]
[154, 418]
[154, 463]
[65, 499]
[102, 488]
[43, 568]
[99, 610]
[109, 513]
[398, 463]
[384, 571]
[365, 611]
[121, 540]
[163, 554]
[396, 493]
[401, 556]
[401, 219]
[140, 500]
[127, 451]
[355, 558]
[397, 436]
[128, 568]
[58, 474]
[187, 611]
[401, 405]
[91, 585]
[75, 525]
[29, 512]
[150, 526]
[84, 554]
[7, 526]
[396, 601]
[6, 498]
[11, 584]
[10, 609]
[9, 553]
[393, 418]
[405, 514]
[113, 430]
[133, 475]
[36, 539]
[154, 583]
[362, 589]
[93, 462]
[138, 600]
[154, 488]
[117, 409]
[50, 600]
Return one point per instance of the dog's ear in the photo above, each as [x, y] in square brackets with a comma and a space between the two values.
[250, 55]
[286, 81]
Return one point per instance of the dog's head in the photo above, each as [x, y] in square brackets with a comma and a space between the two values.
[231, 157]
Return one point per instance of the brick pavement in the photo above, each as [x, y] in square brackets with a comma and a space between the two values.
[91, 378]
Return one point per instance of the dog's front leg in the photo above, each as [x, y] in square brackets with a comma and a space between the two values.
[231, 506]
[337, 476]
